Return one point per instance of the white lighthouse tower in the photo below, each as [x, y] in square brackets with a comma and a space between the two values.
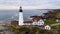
[21, 17]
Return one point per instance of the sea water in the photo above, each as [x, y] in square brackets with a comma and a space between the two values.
[6, 15]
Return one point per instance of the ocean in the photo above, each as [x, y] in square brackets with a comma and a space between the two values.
[6, 15]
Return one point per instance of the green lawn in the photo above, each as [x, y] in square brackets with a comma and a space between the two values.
[50, 22]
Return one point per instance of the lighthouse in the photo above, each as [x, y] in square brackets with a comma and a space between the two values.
[21, 17]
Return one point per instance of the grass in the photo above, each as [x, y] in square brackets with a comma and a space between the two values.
[50, 22]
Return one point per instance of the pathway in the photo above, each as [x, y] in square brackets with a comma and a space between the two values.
[55, 24]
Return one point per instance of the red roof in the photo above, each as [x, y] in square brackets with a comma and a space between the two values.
[36, 18]
[28, 21]
[14, 22]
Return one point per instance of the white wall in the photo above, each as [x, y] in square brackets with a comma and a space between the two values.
[47, 27]
[40, 22]
[27, 23]
[21, 18]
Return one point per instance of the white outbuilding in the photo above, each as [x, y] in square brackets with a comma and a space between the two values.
[47, 27]
[57, 20]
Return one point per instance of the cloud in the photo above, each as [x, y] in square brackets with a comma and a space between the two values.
[7, 7]
[28, 2]
[44, 6]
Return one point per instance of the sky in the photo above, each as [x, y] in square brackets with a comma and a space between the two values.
[30, 4]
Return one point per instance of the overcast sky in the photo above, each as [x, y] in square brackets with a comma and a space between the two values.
[30, 4]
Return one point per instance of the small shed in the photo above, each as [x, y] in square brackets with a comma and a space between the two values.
[47, 27]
